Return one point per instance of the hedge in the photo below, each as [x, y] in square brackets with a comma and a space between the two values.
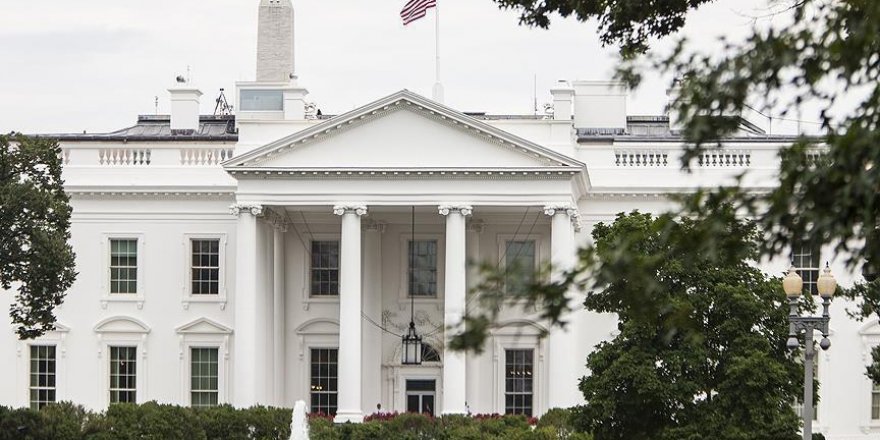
[153, 421]
[555, 425]
[150, 421]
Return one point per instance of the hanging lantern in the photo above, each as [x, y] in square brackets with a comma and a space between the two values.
[411, 354]
[411, 350]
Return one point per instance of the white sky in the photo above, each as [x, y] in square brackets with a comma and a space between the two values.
[95, 65]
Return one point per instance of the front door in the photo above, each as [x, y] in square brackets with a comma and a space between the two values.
[420, 396]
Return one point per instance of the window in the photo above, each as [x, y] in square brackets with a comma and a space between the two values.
[875, 402]
[519, 263]
[422, 270]
[324, 363]
[123, 265]
[123, 374]
[204, 375]
[420, 395]
[261, 100]
[325, 268]
[430, 354]
[42, 385]
[519, 381]
[807, 260]
[205, 266]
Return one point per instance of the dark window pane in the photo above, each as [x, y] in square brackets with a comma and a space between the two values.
[123, 374]
[123, 266]
[205, 266]
[324, 268]
[323, 381]
[518, 381]
[204, 377]
[422, 270]
[42, 375]
[519, 263]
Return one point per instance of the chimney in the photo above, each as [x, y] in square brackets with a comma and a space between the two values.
[600, 104]
[275, 41]
[563, 97]
[184, 107]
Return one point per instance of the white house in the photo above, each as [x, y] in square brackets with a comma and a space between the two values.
[263, 258]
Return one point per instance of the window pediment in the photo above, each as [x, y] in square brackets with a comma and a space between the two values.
[122, 324]
[203, 326]
[319, 327]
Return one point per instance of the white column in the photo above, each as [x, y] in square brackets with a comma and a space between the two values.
[278, 315]
[475, 363]
[246, 361]
[564, 369]
[372, 357]
[454, 363]
[349, 394]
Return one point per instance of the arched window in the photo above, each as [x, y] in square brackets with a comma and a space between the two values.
[429, 353]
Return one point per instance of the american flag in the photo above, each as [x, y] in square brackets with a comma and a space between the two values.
[416, 9]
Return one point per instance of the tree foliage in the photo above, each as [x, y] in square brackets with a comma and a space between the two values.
[629, 24]
[728, 377]
[35, 257]
[825, 54]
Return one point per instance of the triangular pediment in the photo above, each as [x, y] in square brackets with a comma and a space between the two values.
[203, 326]
[402, 131]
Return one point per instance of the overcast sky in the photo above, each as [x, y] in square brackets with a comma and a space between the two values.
[94, 65]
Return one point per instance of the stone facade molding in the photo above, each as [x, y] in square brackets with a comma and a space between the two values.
[341, 209]
[464, 210]
[255, 210]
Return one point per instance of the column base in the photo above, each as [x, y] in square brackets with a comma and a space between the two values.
[349, 417]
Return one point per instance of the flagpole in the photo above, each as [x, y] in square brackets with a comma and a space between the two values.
[438, 87]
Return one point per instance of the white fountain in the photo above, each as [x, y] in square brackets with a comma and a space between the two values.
[299, 423]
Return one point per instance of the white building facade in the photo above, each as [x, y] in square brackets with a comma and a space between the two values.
[264, 258]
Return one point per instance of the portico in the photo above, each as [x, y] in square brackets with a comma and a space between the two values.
[461, 176]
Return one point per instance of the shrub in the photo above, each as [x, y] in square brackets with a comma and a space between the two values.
[454, 427]
[66, 421]
[222, 422]
[150, 421]
[22, 424]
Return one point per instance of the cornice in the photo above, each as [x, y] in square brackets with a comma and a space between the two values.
[660, 193]
[539, 173]
[145, 194]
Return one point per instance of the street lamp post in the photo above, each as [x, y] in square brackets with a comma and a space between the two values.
[793, 285]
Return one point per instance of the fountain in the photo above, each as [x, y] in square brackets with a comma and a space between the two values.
[299, 423]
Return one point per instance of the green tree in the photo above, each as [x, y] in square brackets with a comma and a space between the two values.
[626, 23]
[817, 52]
[729, 376]
[35, 257]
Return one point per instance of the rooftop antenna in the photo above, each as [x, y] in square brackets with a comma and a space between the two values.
[188, 74]
[222, 107]
[156, 103]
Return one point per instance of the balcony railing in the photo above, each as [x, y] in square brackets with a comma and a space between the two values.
[124, 157]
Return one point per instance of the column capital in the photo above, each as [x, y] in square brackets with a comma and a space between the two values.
[350, 208]
[255, 209]
[464, 210]
[561, 208]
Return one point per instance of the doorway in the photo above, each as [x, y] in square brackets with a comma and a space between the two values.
[421, 395]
